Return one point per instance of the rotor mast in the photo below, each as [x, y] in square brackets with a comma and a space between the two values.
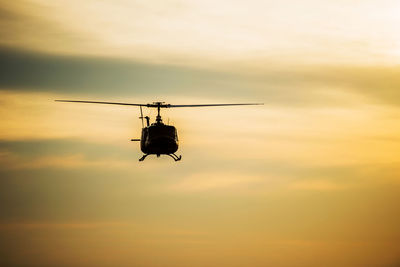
[158, 118]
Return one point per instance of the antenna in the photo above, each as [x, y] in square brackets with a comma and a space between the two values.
[141, 116]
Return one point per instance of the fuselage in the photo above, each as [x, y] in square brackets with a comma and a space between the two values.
[159, 139]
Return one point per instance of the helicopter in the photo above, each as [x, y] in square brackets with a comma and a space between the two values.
[158, 138]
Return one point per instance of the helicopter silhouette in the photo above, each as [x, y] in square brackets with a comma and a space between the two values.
[158, 138]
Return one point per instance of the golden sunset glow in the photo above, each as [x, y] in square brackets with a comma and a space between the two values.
[309, 179]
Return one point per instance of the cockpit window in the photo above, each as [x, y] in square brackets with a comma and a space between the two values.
[162, 131]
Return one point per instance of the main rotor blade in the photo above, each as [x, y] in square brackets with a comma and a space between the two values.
[213, 105]
[159, 104]
[99, 102]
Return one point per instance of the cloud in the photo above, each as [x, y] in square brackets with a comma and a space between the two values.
[317, 185]
[29, 115]
[27, 25]
[23, 70]
[290, 85]
[12, 161]
[64, 154]
[61, 225]
[205, 33]
[204, 181]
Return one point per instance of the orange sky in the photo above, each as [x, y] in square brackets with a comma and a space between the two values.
[309, 179]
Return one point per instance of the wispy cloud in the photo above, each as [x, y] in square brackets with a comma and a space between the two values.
[211, 181]
[318, 185]
[205, 32]
[12, 161]
[285, 85]
[62, 225]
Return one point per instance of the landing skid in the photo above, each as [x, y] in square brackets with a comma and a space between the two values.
[175, 157]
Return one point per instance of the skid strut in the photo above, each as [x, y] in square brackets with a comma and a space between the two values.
[175, 157]
[143, 157]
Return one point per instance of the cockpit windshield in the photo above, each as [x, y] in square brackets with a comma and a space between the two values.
[164, 130]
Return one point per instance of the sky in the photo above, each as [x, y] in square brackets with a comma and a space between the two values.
[309, 179]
